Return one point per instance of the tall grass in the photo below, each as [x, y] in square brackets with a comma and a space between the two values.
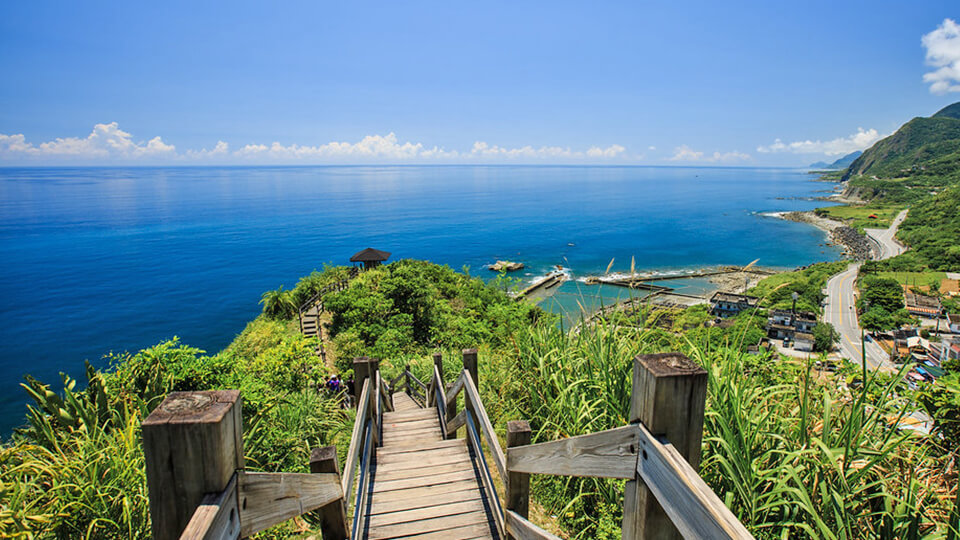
[791, 455]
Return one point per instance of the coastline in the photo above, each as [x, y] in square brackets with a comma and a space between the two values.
[856, 246]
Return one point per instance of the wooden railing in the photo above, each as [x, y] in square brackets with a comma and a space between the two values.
[317, 299]
[658, 453]
[198, 486]
[199, 489]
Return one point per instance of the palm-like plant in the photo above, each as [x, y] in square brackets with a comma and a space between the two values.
[278, 304]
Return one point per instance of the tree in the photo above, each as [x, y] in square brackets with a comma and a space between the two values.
[825, 336]
[278, 304]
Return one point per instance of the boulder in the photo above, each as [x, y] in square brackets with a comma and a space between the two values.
[506, 266]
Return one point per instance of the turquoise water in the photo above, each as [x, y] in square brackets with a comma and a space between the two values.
[110, 259]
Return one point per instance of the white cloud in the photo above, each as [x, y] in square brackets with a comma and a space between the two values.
[107, 142]
[943, 53]
[860, 140]
[685, 153]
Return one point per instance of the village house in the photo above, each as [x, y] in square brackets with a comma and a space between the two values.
[792, 326]
[953, 320]
[724, 304]
[920, 305]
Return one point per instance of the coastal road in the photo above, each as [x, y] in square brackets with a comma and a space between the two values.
[886, 238]
[841, 310]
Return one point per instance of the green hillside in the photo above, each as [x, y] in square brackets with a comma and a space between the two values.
[950, 111]
[907, 151]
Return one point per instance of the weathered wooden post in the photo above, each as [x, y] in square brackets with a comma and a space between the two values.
[438, 363]
[518, 484]
[406, 378]
[361, 372]
[668, 398]
[333, 517]
[192, 445]
[470, 365]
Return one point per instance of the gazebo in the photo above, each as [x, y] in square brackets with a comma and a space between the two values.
[371, 258]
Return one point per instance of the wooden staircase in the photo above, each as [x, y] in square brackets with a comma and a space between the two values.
[422, 485]
[408, 475]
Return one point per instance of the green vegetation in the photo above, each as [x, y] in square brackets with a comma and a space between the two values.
[76, 469]
[791, 454]
[858, 216]
[825, 336]
[881, 304]
[777, 291]
[412, 307]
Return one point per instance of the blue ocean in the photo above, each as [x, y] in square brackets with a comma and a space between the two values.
[96, 260]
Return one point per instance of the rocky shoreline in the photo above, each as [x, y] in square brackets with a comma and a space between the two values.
[856, 245]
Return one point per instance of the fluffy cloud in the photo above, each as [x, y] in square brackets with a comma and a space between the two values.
[943, 53]
[484, 150]
[860, 140]
[108, 143]
[105, 141]
[685, 153]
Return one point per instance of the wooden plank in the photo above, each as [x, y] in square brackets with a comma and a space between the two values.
[484, 420]
[427, 525]
[397, 427]
[521, 529]
[411, 434]
[691, 505]
[467, 532]
[607, 454]
[414, 442]
[439, 491]
[469, 494]
[217, 517]
[431, 512]
[456, 423]
[486, 480]
[423, 481]
[397, 474]
[409, 416]
[430, 445]
[266, 499]
[423, 459]
[455, 389]
[669, 391]
[353, 454]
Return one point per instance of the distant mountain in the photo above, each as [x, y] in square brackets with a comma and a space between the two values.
[841, 163]
[950, 111]
[916, 144]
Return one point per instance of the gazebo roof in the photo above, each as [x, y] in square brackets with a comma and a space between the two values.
[370, 255]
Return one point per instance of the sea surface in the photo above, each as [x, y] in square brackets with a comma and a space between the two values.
[94, 260]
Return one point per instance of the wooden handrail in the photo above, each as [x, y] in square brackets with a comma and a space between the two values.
[455, 389]
[692, 506]
[474, 437]
[607, 454]
[518, 527]
[439, 399]
[355, 442]
[416, 380]
[474, 396]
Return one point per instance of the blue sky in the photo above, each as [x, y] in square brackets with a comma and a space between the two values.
[552, 82]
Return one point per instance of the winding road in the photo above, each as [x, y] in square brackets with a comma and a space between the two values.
[840, 308]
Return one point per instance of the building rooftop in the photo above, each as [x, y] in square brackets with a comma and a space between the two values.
[721, 296]
[370, 255]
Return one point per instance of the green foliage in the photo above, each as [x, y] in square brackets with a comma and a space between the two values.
[881, 304]
[915, 143]
[792, 458]
[279, 304]
[413, 306]
[942, 403]
[76, 469]
[777, 291]
[932, 228]
[825, 336]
